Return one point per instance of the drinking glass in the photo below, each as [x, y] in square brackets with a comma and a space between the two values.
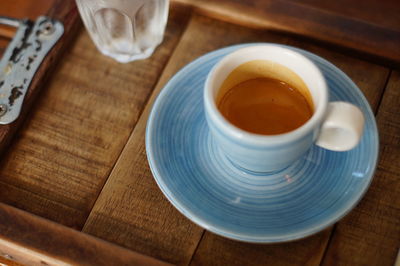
[125, 30]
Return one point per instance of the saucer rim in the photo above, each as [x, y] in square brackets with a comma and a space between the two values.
[220, 230]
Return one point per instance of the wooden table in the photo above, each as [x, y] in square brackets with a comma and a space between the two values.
[76, 171]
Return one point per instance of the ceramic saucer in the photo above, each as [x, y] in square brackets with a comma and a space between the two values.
[202, 184]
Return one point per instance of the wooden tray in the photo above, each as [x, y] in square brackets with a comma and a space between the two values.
[76, 168]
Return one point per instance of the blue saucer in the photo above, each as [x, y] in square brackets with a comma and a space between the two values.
[202, 184]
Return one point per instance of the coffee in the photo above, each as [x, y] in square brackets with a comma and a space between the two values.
[265, 106]
[264, 97]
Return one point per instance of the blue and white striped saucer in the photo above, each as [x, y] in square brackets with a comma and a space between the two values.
[202, 184]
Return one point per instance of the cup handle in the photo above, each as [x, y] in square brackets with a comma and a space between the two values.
[342, 128]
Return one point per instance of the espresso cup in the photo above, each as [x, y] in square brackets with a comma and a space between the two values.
[335, 126]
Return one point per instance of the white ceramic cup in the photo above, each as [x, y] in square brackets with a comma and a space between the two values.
[335, 126]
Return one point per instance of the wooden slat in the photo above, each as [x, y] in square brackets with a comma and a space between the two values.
[132, 211]
[382, 13]
[6, 34]
[61, 158]
[216, 250]
[31, 240]
[3, 45]
[375, 41]
[370, 235]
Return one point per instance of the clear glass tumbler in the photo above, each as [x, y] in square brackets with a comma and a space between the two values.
[125, 30]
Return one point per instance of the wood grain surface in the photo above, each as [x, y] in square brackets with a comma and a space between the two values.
[61, 158]
[131, 201]
[327, 23]
[382, 13]
[32, 240]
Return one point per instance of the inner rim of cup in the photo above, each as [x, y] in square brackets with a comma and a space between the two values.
[299, 64]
